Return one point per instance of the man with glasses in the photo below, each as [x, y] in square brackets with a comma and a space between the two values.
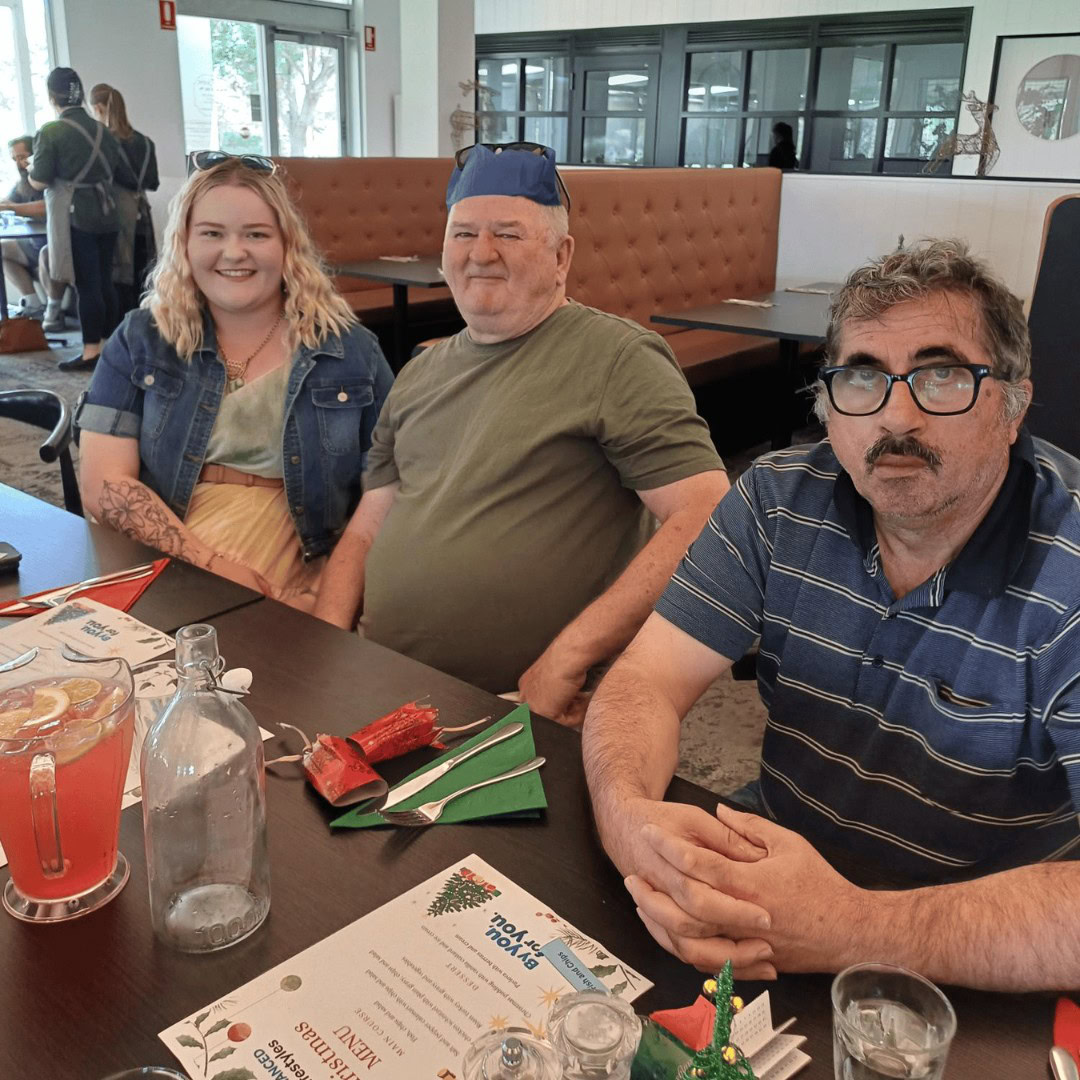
[507, 532]
[914, 586]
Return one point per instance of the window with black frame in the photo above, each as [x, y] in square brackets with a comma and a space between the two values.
[734, 100]
[884, 108]
[524, 98]
[873, 93]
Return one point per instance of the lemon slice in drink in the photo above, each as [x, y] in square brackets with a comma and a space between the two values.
[11, 721]
[80, 691]
[50, 703]
[110, 703]
[75, 739]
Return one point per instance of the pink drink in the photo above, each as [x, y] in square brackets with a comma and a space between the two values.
[76, 733]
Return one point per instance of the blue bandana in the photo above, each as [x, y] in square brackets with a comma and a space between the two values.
[509, 172]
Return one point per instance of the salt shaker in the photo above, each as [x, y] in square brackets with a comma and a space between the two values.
[595, 1035]
[511, 1054]
[204, 807]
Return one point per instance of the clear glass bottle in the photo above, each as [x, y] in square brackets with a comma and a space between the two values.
[204, 808]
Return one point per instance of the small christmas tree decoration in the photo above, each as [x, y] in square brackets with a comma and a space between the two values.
[721, 1059]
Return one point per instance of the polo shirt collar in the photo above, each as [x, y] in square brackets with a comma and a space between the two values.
[989, 560]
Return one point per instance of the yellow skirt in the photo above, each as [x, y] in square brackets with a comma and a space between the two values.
[252, 526]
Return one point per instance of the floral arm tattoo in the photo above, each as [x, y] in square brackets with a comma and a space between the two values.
[131, 508]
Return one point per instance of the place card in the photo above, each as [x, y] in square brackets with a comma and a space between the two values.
[772, 1054]
[402, 992]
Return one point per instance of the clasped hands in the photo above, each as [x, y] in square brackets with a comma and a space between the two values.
[733, 887]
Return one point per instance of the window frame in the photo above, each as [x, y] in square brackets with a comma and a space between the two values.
[680, 41]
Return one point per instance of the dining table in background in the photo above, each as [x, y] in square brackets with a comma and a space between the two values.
[793, 318]
[424, 272]
[86, 998]
[22, 229]
[60, 548]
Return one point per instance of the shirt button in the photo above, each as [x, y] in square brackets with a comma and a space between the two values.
[148, 380]
[298, 510]
[878, 661]
[343, 396]
[295, 459]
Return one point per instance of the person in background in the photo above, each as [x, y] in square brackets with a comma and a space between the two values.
[913, 584]
[135, 250]
[783, 154]
[230, 416]
[534, 480]
[76, 162]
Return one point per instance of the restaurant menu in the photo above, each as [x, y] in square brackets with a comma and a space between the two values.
[401, 993]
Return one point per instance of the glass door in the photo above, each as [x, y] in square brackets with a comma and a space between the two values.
[309, 94]
[615, 98]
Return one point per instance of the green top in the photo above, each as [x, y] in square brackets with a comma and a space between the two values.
[247, 433]
[519, 464]
[60, 154]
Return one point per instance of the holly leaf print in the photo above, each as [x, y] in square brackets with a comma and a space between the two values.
[616, 990]
[234, 1074]
[602, 971]
[201, 1017]
[224, 1052]
[187, 1040]
[225, 1023]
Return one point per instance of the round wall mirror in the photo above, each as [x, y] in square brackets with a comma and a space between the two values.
[1048, 100]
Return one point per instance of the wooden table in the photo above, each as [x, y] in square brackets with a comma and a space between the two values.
[59, 548]
[84, 998]
[21, 230]
[793, 318]
[422, 273]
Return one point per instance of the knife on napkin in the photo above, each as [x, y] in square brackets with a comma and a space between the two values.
[418, 783]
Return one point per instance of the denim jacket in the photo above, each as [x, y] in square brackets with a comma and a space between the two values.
[142, 390]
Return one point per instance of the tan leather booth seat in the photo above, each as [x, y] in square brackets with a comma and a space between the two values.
[360, 208]
[653, 241]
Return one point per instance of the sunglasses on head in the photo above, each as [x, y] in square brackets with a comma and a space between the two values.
[523, 147]
[201, 160]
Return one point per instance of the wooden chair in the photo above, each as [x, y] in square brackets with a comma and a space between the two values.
[1055, 329]
[44, 409]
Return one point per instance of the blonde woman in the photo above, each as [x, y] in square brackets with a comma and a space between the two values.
[229, 417]
[135, 242]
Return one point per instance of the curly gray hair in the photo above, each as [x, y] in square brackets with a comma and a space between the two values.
[938, 266]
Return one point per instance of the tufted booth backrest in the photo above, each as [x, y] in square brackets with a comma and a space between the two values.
[361, 208]
[660, 240]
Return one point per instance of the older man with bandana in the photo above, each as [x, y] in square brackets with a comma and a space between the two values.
[533, 481]
[914, 583]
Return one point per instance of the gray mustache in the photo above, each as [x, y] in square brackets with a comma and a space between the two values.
[907, 447]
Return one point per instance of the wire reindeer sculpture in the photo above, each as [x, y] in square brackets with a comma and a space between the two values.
[983, 142]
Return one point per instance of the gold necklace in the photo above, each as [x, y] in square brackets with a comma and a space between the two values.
[236, 371]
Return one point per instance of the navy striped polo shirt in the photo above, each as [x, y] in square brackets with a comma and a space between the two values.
[938, 734]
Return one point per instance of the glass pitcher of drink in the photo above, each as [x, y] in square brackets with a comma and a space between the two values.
[66, 725]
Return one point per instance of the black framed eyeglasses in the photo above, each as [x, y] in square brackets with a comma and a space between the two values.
[201, 160]
[940, 389]
[538, 149]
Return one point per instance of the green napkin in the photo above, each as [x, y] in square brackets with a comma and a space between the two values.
[523, 796]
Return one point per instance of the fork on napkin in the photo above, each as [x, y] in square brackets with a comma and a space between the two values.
[522, 796]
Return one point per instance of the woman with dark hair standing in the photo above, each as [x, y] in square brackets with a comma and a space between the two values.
[76, 162]
[135, 249]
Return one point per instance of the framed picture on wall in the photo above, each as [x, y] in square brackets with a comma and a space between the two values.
[1036, 93]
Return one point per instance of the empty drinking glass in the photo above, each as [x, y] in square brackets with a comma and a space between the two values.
[889, 1022]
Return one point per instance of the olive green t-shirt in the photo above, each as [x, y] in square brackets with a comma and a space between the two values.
[518, 464]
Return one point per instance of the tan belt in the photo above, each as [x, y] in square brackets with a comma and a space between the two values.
[223, 474]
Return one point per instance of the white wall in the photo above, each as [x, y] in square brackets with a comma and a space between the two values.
[437, 52]
[831, 224]
[990, 18]
[120, 42]
[380, 73]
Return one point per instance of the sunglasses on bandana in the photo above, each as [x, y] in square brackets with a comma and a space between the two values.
[538, 149]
